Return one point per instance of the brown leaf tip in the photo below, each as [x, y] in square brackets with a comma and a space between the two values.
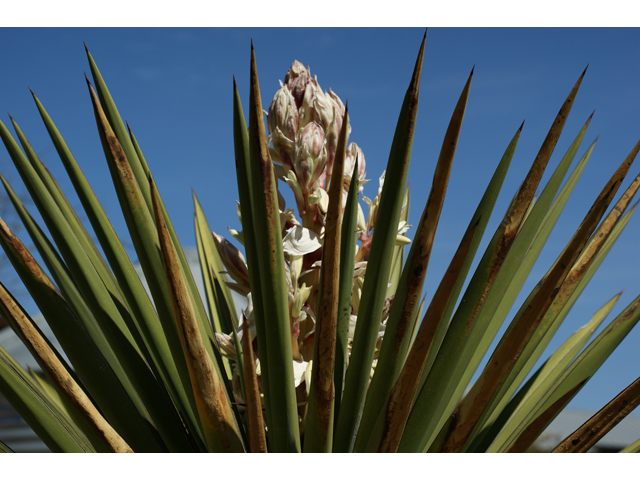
[521, 125]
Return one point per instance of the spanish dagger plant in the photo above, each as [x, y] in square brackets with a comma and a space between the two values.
[312, 333]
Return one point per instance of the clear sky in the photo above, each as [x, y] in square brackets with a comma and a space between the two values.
[174, 87]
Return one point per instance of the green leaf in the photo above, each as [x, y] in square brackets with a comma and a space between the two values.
[481, 219]
[266, 221]
[211, 265]
[245, 193]
[398, 250]
[395, 343]
[142, 310]
[97, 297]
[217, 419]
[378, 268]
[524, 325]
[391, 422]
[257, 436]
[320, 410]
[102, 435]
[556, 385]
[143, 232]
[80, 336]
[568, 294]
[602, 422]
[633, 448]
[120, 131]
[434, 402]
[40, 413]
[548, 328]
[347, 263]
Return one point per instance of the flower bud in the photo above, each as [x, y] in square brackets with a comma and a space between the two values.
[353, 152]
[233, 261]
[282, 120]
[296, 80]
[329, 112]
[306, 113]
[309, 156]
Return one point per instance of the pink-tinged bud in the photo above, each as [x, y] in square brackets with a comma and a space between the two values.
[296, 80]
[306, 113]
[282, 120]
[296, 69]
[233, 261]
[328, 111]
[353, 152]
[309, 156]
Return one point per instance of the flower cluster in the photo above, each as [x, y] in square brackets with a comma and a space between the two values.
[304, 123]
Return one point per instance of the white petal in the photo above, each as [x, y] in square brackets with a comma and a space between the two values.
[300, 241]
[299, 368]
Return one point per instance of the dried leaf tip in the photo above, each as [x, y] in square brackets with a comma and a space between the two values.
[85, 47]
[29, 87]
[235, 87]
[521, 125]
[415, 78]
[9, 115]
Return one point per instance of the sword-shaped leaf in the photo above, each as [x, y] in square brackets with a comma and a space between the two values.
[217, 419]
[142, 309]
[102, 435]
[245, 194]
[602, 422]
[395, 343]
[569, 292]
[577, 373]
[481, 219]
[393, 418]
[347, 262]
[320, 412]
[527, 320]
[211, 265]
[120, 132]
[283, 429]
[433, 404]
[40, 412]
[257, 436]
[378, 267]
[80, 336]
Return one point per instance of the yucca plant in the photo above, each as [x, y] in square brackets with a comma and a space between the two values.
[333, 349]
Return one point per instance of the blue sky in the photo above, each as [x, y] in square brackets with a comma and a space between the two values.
[174, 87]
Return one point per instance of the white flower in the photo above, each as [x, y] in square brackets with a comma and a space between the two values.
[300, 241]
